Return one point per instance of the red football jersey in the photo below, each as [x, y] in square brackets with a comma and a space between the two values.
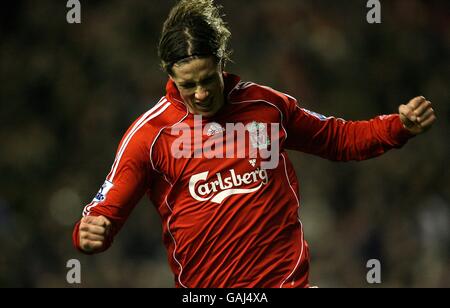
[231, 220]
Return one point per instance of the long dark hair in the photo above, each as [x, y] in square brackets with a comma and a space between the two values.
[194, 28]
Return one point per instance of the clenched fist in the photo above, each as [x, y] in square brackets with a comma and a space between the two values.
[418, 115]
[93, 233]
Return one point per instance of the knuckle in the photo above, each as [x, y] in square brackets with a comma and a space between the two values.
[85, 219]
[105, 221]
[97, 244]
[85, 244]
[86, 228]
[97, 238]
[101, 234]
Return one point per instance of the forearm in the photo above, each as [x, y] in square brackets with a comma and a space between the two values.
[340, 140]
[362, 140]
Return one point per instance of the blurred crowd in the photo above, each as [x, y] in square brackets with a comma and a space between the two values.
[69, 92]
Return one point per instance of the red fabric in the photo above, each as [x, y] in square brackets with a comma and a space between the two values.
[236, 225]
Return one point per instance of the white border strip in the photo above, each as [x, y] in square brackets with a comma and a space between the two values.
[130, 136]
[142, 121]
[301, 226]
[166, 201]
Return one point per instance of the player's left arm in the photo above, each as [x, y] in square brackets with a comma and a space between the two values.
[340, 140]
[418, 115]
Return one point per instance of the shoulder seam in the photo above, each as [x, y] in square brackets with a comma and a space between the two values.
[159, 134]
[271, 104]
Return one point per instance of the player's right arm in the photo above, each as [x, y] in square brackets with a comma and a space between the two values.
[128, 181]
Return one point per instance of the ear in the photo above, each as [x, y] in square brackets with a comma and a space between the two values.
[170, 73]
[171, 76]
[222, 64]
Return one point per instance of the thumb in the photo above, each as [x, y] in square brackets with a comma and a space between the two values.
[88, 219]
[105, 222]
[407, 116]
[407, 112]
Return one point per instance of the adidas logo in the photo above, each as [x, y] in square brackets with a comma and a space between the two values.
[214, 129]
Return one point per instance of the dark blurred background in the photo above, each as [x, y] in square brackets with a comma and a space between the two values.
[69, 92]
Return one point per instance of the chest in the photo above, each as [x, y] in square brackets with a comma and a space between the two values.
[243, 138]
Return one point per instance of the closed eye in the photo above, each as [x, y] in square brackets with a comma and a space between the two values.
[187, 85]
[208, 80]
[191, 85]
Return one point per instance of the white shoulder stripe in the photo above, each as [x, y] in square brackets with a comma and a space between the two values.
[245, 85]
[137, 127]
[148, 113]
[87, 209]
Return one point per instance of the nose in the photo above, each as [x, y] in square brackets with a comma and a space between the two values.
[201, 94]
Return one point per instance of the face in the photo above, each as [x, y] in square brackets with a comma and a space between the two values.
[200, 82]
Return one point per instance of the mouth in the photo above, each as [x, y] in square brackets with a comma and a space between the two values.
[205, 105]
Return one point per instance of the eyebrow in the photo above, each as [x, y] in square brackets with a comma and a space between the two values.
[189, 82]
